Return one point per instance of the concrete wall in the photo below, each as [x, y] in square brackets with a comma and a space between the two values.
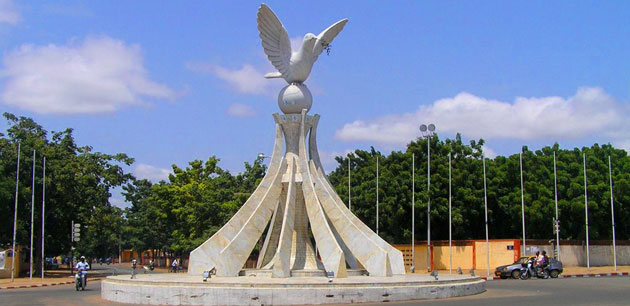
[462, 257]
[469, 254]
[421, 256]
[500, 253]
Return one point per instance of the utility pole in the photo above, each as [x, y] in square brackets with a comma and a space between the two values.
[555, 188]
[413, 212]
[377, 194]
[588, 258]
[485, 199]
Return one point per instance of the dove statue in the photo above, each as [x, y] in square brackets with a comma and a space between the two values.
[293, 67]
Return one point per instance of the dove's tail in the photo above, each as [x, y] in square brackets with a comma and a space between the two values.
[272, 75]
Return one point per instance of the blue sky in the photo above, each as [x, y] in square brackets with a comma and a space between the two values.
[170, 82]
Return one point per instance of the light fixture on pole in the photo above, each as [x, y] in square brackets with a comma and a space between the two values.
[588, 258]
[263, 156]
[427, 132]
[485, 201]
[557, 221]
[520, 155]
[17, 183]
[612, 212]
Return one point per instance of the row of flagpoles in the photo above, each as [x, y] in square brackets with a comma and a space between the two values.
[556, 220]
[17, 179]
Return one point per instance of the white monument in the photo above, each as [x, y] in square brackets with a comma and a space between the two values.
[295, 195]
[293, 200]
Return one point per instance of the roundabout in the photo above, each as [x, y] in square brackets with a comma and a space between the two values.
[184, 289]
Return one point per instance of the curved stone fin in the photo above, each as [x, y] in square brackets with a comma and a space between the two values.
[271, 239]
[232, 258]
[395, 256]
[205, 256]
[329, 250]
[282, 258]
[356, 242]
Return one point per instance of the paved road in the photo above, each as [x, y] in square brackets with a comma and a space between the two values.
[557, 292]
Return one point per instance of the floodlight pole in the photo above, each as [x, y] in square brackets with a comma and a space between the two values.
[612, 213]
[588, 258]
[427, 132]
[17, 182]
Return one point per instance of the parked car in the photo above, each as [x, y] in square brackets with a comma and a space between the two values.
[514, 270]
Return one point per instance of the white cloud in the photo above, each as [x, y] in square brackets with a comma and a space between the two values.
[240, 110]
[9, 13]
[591, 111]
[328, 159]
[98, 75]
[154, 174]
[247, 79]
[488, 152]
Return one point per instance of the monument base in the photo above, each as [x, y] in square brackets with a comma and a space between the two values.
[184, 289]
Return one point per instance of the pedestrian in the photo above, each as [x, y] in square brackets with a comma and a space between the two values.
[174, 265]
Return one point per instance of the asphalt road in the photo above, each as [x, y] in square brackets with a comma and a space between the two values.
[557, 292]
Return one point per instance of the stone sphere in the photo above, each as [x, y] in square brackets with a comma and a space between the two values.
[295, 97]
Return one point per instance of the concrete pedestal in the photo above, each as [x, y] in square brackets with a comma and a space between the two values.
[183, 289]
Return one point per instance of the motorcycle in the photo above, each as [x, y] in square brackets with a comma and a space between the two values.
[528, 270]
[80, 280]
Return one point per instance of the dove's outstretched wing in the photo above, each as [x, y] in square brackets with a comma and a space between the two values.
[275, 40]
[326, 36]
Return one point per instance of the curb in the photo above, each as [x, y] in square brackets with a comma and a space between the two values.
[45, 285]
[570, 276]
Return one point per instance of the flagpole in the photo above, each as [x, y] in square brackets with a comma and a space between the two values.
[612, 212]
[17, 180]
[349, 192]
[450, 244]
[376, 194]
[520, 155]
[43, 211]
[555, 187]
[588, 258]
[485, 199]
[413, 212]
[30, 273]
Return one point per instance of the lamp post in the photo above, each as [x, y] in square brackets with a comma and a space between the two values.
[427, 132]
[450, 241]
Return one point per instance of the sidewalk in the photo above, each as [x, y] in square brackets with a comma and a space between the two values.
[568, 272]
[25, 282]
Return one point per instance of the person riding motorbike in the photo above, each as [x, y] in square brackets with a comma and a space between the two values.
[82, 267]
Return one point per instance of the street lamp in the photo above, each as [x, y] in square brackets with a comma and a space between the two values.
[263, 156]
[427, 132]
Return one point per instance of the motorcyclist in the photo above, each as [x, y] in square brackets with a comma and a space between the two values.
[82, 267]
